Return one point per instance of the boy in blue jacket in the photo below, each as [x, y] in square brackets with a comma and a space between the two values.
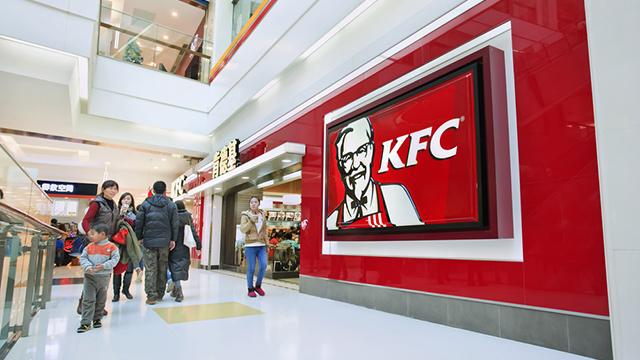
[97, 261]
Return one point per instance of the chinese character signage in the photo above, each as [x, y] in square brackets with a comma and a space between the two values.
[70, 189]
[226, 159]
[413, 163]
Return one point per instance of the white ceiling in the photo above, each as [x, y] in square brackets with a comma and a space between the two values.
[39, 94]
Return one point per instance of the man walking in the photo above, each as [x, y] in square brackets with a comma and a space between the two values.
[157, 227]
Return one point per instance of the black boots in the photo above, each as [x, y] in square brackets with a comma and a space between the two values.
[116, 295]
[179, 295]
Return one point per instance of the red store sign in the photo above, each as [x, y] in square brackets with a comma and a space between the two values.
[413, 163]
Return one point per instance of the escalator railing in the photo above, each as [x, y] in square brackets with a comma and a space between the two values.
[138, 41]
[27, 244]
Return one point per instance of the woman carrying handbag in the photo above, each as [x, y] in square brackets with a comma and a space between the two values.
[180, 256]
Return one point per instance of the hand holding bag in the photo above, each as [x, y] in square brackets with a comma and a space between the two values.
[188, 237]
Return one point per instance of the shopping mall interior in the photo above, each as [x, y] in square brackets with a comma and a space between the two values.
[450, 176]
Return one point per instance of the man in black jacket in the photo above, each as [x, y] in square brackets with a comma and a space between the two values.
[157, 228]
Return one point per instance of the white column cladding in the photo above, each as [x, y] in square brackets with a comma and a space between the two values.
[220, 18]
[205, 254]
[216, 230]
[612, 29]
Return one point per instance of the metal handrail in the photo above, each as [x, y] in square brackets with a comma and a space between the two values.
[6, 208]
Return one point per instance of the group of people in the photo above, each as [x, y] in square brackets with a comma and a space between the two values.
[152, 236]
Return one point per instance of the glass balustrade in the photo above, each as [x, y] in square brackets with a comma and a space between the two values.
[28, 245]
[138, 41]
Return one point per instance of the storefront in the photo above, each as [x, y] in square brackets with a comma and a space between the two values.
[70, 200]
[224, 193]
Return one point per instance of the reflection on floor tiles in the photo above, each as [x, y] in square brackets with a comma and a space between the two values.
[68, 281]
[211, 323]
[180, 314]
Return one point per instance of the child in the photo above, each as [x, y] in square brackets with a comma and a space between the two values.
[97, 261]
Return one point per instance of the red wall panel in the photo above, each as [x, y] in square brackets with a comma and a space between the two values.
[563, 264]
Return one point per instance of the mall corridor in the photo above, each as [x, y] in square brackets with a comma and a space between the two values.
[218, 321]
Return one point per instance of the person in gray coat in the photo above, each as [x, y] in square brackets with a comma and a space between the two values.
[180, 256]
[157, 230]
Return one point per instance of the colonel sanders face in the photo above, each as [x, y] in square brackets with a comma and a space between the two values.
[354, 154]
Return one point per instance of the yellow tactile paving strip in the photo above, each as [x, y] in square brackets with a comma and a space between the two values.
[182, 314]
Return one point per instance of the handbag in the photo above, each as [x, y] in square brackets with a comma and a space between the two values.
[188, 237]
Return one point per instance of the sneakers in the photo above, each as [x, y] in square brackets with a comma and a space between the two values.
[179, 295]
[252, 292]
[259, 290]
[150, 302]
[170, 286]
[83, 328]
[97, 324]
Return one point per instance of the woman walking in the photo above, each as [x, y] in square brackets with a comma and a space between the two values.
[180, 256]
[127, 213]
[255, 229]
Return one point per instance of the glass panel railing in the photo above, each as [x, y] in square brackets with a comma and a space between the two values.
[27, 242]
[138, 41]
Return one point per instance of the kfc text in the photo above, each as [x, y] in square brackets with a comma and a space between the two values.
[390, 155]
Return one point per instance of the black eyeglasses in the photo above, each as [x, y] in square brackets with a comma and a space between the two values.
[347, 159]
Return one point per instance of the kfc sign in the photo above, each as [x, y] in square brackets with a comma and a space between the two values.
[414, 162]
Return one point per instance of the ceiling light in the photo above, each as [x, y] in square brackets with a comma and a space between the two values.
[217, 189]
[155, 167]
[286, 160]
[165, 37]
[293, 175]
[138, 42]
[245, 177]
[266, 183]
[174, 13]
[163, 159]
[159, 48]
[107, 163]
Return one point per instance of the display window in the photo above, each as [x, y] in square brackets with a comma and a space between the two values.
[281, 210]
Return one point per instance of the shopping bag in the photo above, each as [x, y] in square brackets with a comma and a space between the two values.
[188, 237]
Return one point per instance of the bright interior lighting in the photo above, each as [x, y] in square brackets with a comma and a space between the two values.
[174, 13]
[165, 37]
[107, 163]
[163, 159]
[354, 14]
[266, 183]
[286, 160]
[217, 189]
[293, 175]
[155, 167]
[291, 199]
[159, 48]
[245, 177]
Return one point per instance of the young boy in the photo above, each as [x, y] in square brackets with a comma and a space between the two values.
[97, 261]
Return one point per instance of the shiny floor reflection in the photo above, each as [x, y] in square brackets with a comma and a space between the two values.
[287, 325]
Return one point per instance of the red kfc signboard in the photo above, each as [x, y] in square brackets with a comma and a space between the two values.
[413, 163]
